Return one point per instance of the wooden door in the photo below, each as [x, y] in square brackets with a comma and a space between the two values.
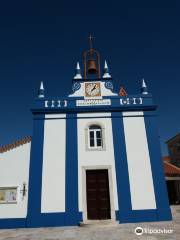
[98, 200]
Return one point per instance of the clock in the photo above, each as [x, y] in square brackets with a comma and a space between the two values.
[92, 89]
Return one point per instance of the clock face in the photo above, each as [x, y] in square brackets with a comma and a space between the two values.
[92, 90]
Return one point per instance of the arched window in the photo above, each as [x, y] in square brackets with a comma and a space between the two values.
[95, 139]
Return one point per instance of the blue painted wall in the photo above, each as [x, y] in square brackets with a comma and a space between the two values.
[162, 201]
[122, 178]
[35, 171]
[71, 216]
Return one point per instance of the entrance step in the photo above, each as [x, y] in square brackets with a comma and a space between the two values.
[99, 223]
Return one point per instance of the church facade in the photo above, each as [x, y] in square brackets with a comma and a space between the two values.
[94, 155]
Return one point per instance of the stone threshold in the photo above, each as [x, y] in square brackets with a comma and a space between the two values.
[99, 223]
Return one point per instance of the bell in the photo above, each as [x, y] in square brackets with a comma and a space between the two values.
[92, 66]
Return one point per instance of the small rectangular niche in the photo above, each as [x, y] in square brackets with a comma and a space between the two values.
[8, 195]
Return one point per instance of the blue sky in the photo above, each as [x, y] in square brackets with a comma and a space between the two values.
[43, 40]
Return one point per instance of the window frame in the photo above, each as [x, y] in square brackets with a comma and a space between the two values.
[98, 128]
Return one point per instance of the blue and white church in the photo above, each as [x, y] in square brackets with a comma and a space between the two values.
[93, 155]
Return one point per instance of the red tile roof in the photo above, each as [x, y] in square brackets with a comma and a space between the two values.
[166, 158]
[15, 144]
[171, 170]
[172, 138]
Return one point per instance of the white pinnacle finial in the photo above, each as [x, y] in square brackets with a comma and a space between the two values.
[106, 71]
[105, 64]
[143, 83]
[77, 67]
[144, 89]
[41, 90]
[41, 86]
[78, 72]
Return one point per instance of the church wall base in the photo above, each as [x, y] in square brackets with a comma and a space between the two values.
[63, 219]
[149, 215]
[12, 223]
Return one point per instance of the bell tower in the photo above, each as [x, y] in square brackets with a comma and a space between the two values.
[91, 60]
[92, 83]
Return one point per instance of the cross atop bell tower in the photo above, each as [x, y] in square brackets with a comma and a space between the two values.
[91, 41]
[91, 60]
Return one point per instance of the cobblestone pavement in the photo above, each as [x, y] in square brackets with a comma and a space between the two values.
[121, 231]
